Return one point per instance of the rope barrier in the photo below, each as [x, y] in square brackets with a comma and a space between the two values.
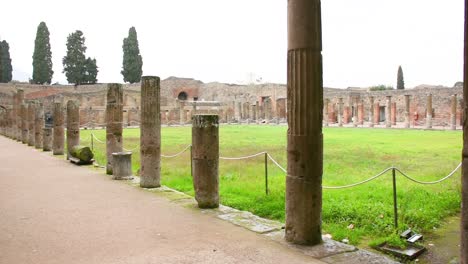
[97, 139]
[276, 163]
[358, 183]
[177, 154]
[244, 157]
[432, 182]
[131, 150]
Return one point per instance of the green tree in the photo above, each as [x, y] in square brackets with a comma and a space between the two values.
[400, 79]
[42, 56]
[77, 68]
[5, 62]
[91, 71]
[132, 60]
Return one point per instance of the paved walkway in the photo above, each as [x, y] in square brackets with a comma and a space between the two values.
[54, 212]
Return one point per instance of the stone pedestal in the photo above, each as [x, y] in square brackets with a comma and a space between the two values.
[205, 160]
[114, 118]
[59, 135]
[31, 122]
[305, 138]
[47, 139]
[150, 132]
[429, 112]
[73, 125]
[39, 126]
[453, 112]
[122, 166]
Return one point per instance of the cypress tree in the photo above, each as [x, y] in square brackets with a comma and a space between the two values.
[132, 60]
[91, 71]
[42, 56]
[400, 79]
[77, 68]
[5, 62]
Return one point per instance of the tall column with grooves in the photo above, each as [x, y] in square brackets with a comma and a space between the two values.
[59, 135]
[388, 112]
[150, 132]
[371, 111]
[24, 123]
[464, 192]
[31, 118]
[429, 112]
[205, 160]
[325, 108]
[305, 139]
[73, 125]
[19, 126]
[407, 110]
[38, 126]
[340, 111]
[114, 118]
[453, 112]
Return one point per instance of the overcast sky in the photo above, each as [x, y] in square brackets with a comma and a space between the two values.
[364, 41]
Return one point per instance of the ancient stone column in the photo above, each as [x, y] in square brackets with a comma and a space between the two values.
[267, 108]
[325, 110]
[429, 112]
[19, 125]
[305, 138]
[38, 126]
[371, 111]
[393, 113]
[182, 113]
[340, 112]
[114, 118]
[237, 111]
[47, 139]
[376, 113]
[453, 112]
[14, 127]
[31, 118]
[253, 114]
[388, 112]
[407, 110]
[360, 114]
[73, 125]
[24, 123]
[150, 132]
[354, 115]
[122, 166]
[59, 135]
[464, 180]
[205, 160]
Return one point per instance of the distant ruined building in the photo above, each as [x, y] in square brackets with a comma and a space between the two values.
[182, 97]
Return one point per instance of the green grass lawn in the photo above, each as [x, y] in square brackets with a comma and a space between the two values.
[350, 155]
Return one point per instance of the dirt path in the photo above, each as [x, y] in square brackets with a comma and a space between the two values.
[54, 212]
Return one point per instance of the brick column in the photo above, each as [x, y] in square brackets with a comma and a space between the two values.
[305, 138]
[429, 112]
[59, 135]
[407, 110]
[388, 112]
[393, 113]
[73, 125]
[205, 160]
[114, 118]
[39, 126]
[31, 120]
[150, 133]
[453, 112]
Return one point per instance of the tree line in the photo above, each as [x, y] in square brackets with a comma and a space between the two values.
[78, 68]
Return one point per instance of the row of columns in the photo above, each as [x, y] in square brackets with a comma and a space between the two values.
[390, 113]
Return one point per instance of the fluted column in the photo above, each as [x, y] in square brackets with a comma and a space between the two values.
[388, 112]
[305, 139]
[39, 126]
[150, 133]
[73, 125]
[429, 112]
[407, 110]
[453, 112]
[59, 135]
[114, 118]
